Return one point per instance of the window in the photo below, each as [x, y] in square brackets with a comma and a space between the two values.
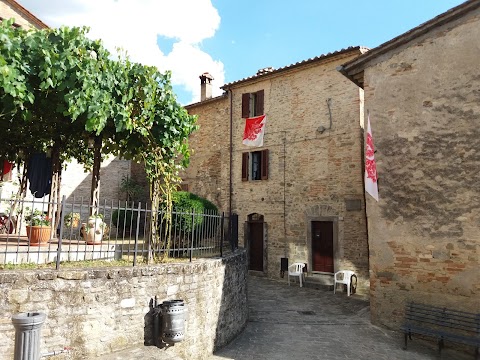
[252, 104]
[255, 165]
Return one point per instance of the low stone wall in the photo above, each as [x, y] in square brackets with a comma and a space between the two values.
[102, 310]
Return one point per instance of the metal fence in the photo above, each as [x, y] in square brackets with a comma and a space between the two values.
[123, 234]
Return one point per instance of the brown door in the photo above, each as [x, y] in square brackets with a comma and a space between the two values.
[322, 246]
[256, 246]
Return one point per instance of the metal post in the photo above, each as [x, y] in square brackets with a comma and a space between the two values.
[193, 233]
[136, 235]
[221, 234]
[59, 247]
[27, 335]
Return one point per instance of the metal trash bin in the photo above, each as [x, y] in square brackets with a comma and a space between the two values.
[173, 321]
[27, 335]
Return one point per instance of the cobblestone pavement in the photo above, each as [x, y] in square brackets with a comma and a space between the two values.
[289, 322]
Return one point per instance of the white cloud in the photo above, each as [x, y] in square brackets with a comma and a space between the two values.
[134, 26]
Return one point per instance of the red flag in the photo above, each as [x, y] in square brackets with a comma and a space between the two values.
[371, 185]
[254, 131]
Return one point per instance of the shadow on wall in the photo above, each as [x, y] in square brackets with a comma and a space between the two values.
[233, 307]
[77, 184]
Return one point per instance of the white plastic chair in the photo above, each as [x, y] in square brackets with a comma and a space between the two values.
[343, 277]
[296, 269]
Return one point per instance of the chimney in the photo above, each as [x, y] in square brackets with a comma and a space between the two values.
[205, 86]
[265, 70]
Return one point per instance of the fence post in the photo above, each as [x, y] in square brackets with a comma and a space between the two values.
[222, 226]
[233, 231]
[193, 233]
[136, 235]
[60, 236]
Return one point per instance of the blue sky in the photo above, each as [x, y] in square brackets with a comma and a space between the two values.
[232, 39]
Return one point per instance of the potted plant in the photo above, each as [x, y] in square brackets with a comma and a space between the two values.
[72, 219]
[95, 228]
[39, 227]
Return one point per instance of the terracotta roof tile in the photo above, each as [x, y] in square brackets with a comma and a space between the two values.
[269, 71]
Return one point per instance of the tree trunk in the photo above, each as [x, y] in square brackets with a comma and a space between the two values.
[95, 190]
[54, 198]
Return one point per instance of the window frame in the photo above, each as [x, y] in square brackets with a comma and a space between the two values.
[247, 165]
[253, 104]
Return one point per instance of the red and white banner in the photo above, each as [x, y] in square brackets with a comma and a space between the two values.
[254, 131]
[371, 185]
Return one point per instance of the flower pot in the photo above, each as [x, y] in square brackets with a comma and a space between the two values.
[94, 231]
[39, 235]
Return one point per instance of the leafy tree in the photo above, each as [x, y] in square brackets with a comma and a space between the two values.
[60, 90]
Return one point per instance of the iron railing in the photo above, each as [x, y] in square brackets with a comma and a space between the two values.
[124, 229]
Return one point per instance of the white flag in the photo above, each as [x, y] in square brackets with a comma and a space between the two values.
[371, 185]
[254, 131]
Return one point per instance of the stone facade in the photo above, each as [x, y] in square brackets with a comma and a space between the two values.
[98, 311]
[314, 140]
[424, 102]
[208, 173]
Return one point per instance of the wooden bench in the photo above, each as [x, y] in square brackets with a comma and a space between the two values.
[442, 324]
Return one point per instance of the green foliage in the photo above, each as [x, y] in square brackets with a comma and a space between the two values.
[122, 219]
[36, 218]
[58, 88]
[131, 188]
[71, 219]
[184, 205]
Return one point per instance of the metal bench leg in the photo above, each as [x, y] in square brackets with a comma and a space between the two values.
[406, 340]
[440, 346]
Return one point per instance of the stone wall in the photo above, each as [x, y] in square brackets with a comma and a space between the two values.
[312, 175]
[76, 182]
[208, 173]
[424, 233]
[98, 311]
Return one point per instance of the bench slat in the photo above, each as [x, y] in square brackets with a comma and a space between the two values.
[442, 324]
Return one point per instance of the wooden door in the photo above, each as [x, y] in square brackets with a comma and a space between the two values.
[322, 246]
[256, 246]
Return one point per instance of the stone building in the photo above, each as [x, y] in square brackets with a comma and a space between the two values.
[422, 93]
[299, 195]
[23, 18]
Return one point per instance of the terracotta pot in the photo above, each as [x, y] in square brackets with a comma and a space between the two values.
[94, 231]
[39, 235]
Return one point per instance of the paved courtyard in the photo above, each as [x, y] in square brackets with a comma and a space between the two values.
[307, 323]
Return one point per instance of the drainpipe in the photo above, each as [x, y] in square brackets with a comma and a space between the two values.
[231, 163]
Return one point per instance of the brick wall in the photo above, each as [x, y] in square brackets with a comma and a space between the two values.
[98, 311]
[424, 233]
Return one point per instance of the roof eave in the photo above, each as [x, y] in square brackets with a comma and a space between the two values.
[320, 58]
[32, 18]
[353, 69]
